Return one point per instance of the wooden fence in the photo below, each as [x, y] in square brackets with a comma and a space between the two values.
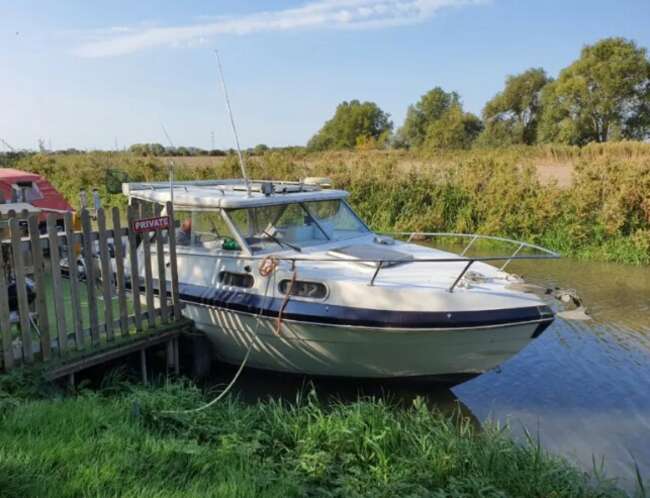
[97, 299]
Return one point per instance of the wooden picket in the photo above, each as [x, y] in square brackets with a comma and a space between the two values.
[20, 279]
[65, 314]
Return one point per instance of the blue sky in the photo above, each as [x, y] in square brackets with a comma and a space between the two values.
[85, 74]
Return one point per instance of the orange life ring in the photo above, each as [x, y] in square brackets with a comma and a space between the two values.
[267, 266]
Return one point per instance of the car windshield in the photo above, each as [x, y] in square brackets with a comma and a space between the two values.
[294, 226]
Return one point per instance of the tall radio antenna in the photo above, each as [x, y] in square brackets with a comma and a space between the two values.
[171, 166]
[232, 124]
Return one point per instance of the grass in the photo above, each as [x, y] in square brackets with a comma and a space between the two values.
[122, 444]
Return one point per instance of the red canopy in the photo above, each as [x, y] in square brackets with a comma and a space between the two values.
[44, 196]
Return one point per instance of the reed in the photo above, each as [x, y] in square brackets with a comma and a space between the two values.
[118, 443]
[602, 213]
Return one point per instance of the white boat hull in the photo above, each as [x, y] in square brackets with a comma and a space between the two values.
[356, 351]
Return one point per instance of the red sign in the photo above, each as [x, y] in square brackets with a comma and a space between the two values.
[151, 224]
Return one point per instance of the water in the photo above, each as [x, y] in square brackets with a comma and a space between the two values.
[583, 387]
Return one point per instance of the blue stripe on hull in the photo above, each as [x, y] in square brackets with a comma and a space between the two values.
[344, 315]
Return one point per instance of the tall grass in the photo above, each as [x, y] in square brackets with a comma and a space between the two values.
[603, 214]
[123, 445]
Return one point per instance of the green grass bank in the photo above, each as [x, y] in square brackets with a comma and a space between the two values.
[119, 443]
[602, 212]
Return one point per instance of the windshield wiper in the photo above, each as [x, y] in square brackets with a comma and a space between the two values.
[281, 243]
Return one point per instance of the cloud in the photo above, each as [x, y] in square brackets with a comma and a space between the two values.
[320, 14]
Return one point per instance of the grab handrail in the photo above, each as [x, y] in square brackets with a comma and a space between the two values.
[474, 237]
[383, 263]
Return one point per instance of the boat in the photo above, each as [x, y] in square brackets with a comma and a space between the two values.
[20, 190]
[286, 276]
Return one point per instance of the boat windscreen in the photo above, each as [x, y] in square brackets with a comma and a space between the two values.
[337, 219]
[280, 226]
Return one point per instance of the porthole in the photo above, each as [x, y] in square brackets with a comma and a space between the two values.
[236, 279]
[302, 288]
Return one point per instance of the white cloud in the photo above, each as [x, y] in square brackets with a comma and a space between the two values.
[320, 14]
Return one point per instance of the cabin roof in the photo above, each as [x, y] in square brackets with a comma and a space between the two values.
[230, 193]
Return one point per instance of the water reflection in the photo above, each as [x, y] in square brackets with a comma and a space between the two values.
[257, 385]
[583, 386]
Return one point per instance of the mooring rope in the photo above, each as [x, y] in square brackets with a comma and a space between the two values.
[269, 275]
[287, 295]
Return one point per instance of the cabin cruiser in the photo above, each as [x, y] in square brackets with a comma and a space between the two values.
[290, 275]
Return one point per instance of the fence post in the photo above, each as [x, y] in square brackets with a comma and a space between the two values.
[21, 290]
[39, 281]
[57, 284]
[171, 236]
[106, 273]
[119, 272]
[73, 278]
[89, 263]
[148, 277]
[5, 323]
[135, 274]
[162, 277]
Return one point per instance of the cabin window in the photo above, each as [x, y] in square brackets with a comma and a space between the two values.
[283, 226]
[303, 288]
[143, 209]
[206, 230]
[236, 279]
[26, 192]
[337, 219]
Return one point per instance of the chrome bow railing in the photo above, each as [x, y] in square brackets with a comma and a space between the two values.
[545, 253]
[380, 264]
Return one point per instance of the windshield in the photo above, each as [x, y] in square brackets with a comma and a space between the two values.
[337, 219]
[294, 226]
[287, 226]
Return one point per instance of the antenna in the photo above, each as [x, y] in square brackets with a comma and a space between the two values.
[232, 124]
[171, 166]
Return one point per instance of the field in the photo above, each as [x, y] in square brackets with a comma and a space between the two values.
[548, 171]
[591, 202]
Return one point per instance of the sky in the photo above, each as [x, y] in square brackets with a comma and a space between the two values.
[96, 75]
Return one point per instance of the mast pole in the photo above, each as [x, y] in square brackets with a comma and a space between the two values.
[242, 165]
[171, 166]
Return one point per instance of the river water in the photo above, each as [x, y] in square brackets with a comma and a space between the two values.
[583, 387]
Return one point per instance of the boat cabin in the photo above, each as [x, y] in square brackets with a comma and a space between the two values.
[22, 190]
[275, 216]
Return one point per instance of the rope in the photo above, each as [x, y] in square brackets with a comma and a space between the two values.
[287, 295]
[244, 361]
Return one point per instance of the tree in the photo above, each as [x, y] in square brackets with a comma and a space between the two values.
[260, 149]
[147, 149]
[353, 122]
[430, 108]
[454, 130]
[512, 116]
[603, 95]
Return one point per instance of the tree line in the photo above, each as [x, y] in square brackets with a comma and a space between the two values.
[604, 95]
